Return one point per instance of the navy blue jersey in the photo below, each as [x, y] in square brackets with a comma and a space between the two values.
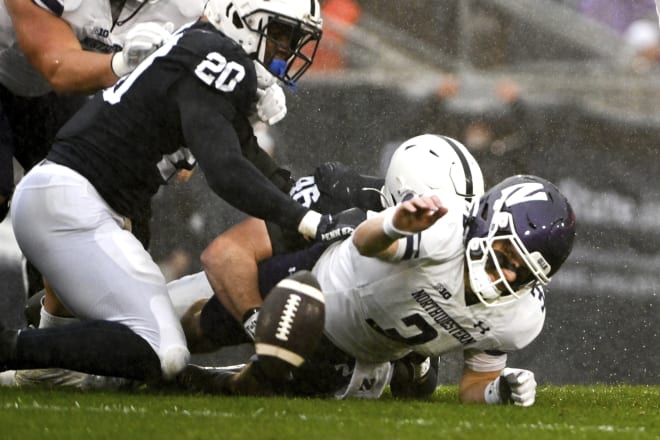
[332, 188]
[189, 101]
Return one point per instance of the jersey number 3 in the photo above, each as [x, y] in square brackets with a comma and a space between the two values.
[215, 71]
[427, 332]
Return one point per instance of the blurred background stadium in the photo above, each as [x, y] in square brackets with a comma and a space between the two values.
[567, 90]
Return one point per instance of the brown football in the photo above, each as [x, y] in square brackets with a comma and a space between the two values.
[290, 324]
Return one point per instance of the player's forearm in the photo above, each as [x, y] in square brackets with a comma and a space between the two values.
[370, 238]
[77, 71]
[52, 47]
[473, 384]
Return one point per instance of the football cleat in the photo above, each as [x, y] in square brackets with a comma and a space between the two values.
[211, 380]
[7, 347]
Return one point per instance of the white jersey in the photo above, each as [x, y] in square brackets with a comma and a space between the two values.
[91, 21]
[379, 311]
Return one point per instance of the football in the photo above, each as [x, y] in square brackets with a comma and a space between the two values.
[290, 324]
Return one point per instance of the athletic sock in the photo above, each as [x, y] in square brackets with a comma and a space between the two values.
[97, 347]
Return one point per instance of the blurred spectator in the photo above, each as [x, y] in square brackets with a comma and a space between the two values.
[643, 37]
[617, 14]
[339, 16]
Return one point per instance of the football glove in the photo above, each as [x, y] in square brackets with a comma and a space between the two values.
[271, 104]
[141, 41]
[329, 228]
[513, 385]
[265, 77]
[271, 101]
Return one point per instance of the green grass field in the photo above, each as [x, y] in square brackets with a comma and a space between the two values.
[596, 412]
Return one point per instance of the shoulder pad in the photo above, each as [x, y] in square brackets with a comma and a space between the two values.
[70, 5]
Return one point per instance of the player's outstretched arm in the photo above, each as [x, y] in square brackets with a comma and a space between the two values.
[378, 235]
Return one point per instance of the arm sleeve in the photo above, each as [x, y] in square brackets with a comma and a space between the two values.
[212, 138]
[484, 361]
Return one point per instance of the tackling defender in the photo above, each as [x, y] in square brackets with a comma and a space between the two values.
[110, 159]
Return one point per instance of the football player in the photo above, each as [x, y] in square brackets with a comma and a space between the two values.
[93, 43]
[72, 213]
[54, 53]
[401, 288]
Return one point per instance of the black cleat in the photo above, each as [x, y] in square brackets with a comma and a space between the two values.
[238, 380]
[7, 347]
[210, 380]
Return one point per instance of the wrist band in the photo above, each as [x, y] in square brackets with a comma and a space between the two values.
[492, 392]
[309, 224]
[392, 231]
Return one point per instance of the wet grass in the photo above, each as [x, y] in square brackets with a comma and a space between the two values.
[596, 411]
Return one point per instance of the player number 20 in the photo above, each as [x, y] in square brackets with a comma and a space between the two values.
[217, 72]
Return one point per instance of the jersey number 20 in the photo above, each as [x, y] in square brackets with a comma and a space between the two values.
[217, 72]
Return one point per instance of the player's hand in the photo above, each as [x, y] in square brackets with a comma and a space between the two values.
[141, 41]
[513, 385]
[271, 104]
[413, 216]
[330, 228]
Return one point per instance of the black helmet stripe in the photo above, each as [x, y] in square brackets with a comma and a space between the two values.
[469, 185]
[312, 9]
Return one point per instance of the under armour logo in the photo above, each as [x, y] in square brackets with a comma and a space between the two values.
[292, 270]
[482, 326]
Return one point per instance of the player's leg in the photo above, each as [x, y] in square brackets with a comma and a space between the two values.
[215, 325]
[230, 262]
[103, 275]
[288, 331]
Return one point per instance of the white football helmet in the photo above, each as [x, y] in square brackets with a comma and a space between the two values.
[248, 21]
[432, 162]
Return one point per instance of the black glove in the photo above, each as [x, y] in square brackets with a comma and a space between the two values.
[333, 227]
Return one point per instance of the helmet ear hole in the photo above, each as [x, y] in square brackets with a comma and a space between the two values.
[236, 21]
[484, 212]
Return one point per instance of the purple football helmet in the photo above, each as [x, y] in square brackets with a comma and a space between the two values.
[530, 214]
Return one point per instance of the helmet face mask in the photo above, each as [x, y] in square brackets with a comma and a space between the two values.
[282, 35]
[485, 260]
[530, 218]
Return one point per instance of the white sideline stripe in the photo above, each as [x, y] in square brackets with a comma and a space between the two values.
[279, 352]
[302, 288]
